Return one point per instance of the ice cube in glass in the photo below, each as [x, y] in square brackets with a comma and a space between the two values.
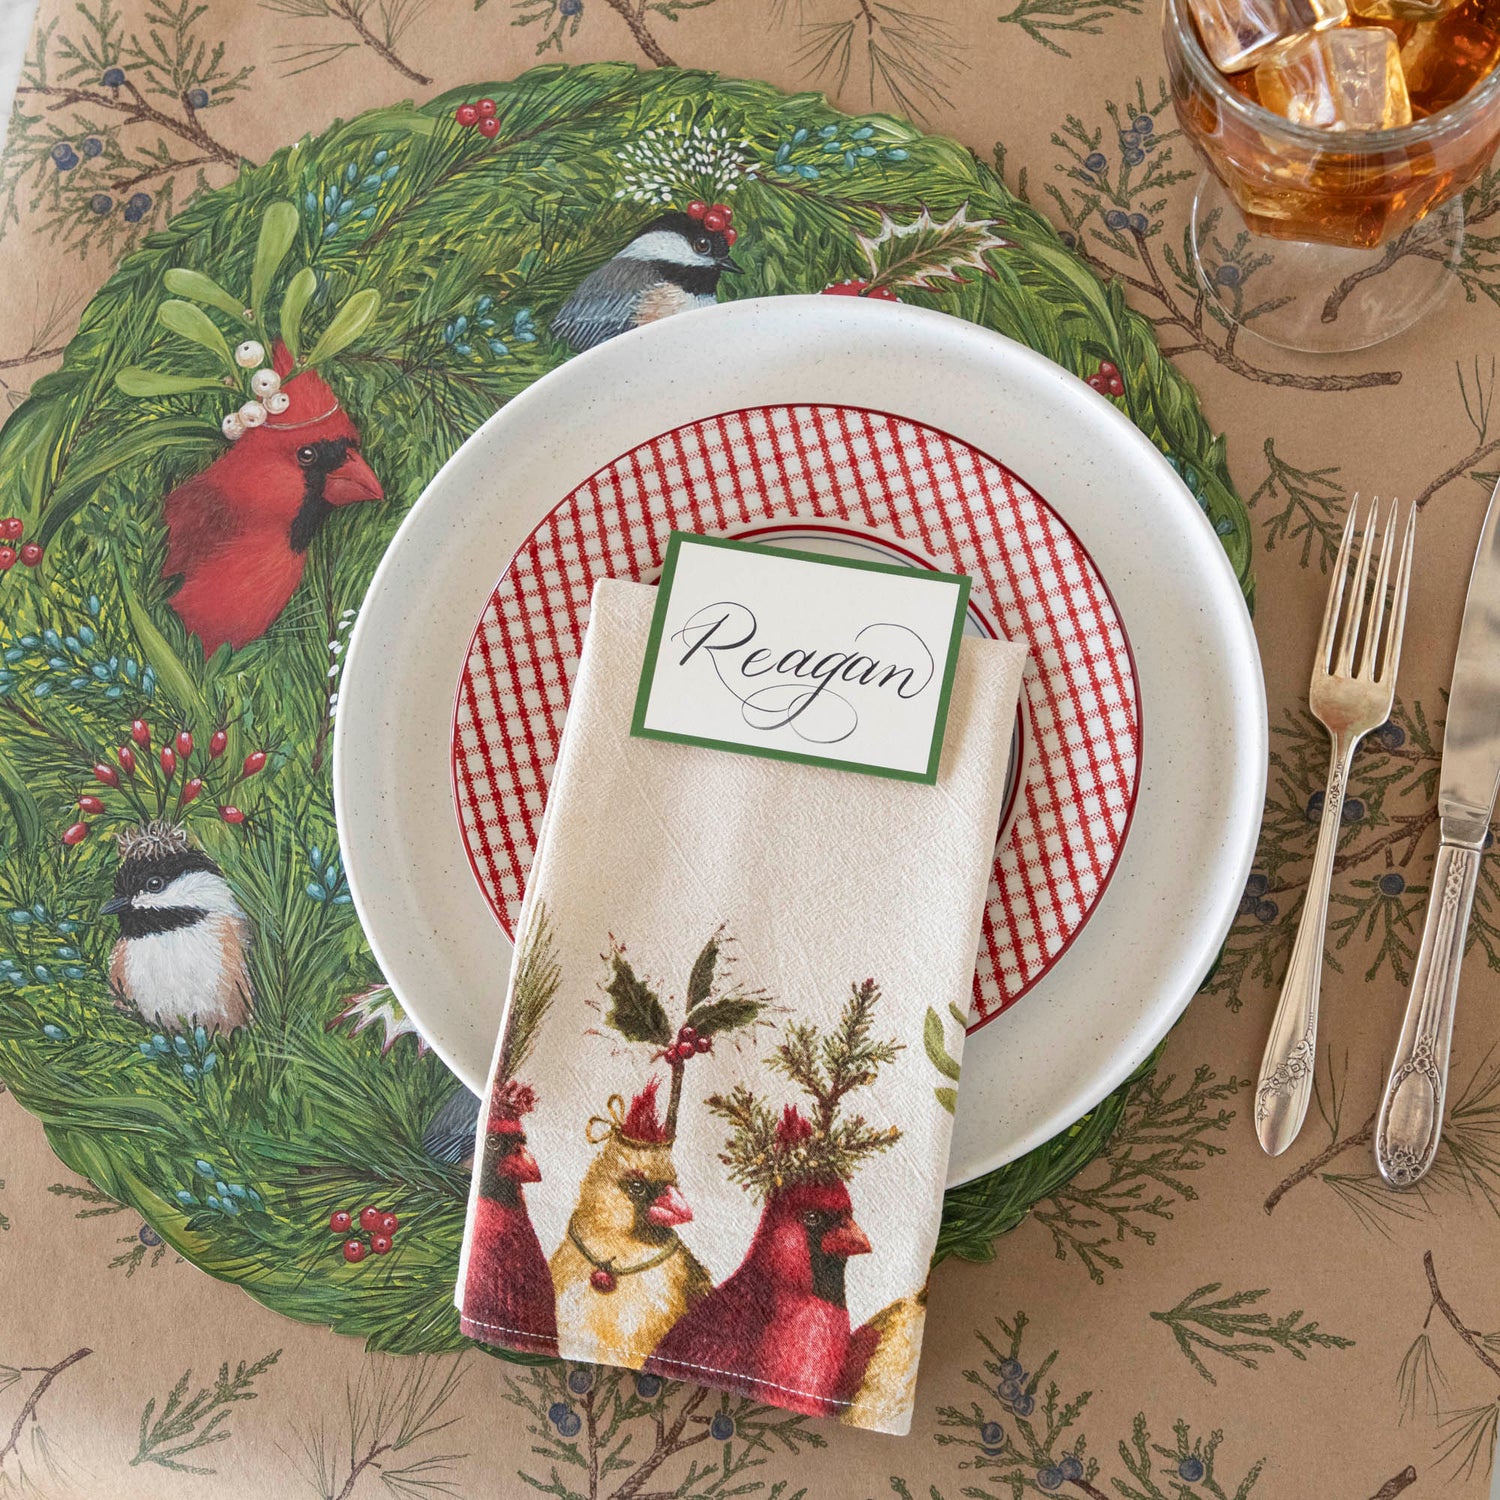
[1349, 79]
[1238, 33]
[1401, 10]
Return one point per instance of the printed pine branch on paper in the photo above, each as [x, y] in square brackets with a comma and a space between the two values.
[1022, 1438]
[1307, 499]
[891, 55]
[1233, 1328]
[1053, 23]
[187, 1424]
[631, 1429]
[394, 1408]
[1144, 1173]
[109, 124]
[378, 25]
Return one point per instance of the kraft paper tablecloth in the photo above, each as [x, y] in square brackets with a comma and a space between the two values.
[1211, 1322]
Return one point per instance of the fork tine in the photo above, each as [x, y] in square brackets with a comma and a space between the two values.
[1349, 633]
[1397, 627]
[1336, 591]
[1370, 637]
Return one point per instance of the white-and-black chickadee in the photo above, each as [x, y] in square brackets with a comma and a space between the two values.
[182, 956]
[672, 265]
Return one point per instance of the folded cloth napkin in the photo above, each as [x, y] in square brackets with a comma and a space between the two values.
[730, 1047]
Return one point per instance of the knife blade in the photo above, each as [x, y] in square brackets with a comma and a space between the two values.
[1409, 1125]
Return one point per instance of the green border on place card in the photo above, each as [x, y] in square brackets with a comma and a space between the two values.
[675, 543]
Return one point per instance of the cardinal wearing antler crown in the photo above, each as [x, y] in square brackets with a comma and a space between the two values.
[183, 952]
[781, 1318]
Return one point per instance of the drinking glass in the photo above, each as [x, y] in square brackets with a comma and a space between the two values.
[1317, 239]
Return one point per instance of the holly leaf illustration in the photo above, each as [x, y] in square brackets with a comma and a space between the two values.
[923, 252]
[635, 1009]
[728, 1014]
[701, 980]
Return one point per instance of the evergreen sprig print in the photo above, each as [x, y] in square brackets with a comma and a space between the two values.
[1056, 23]
[1167, 1134]
[378, 25]
[892, 55]
[108, 126]
[1233, 1328]
[1306, 517]
[187, 1424]
[604, 1434]
[392, 1413]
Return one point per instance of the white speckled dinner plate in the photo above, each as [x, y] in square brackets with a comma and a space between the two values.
[1129, 968]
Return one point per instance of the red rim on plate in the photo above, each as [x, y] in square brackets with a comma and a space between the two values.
[797, 465]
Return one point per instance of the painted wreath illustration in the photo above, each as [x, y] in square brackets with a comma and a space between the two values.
[193, 507]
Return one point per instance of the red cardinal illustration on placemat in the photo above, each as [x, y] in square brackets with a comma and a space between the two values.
[238, 533]
[778, 1328]
[622, 1274]
[508, 1291]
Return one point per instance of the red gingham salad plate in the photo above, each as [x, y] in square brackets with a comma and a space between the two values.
[872, 482]
[1139, 764]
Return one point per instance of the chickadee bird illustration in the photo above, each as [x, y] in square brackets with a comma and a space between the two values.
[183, 949]
[672, 265]
[449, 1136]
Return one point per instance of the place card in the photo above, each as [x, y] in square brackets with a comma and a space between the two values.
[802, 657]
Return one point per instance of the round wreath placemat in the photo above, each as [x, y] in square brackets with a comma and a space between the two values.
[193, 507]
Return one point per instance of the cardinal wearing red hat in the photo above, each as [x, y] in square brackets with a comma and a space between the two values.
[238, 533]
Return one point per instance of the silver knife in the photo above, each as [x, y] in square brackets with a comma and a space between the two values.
[1411, 1110]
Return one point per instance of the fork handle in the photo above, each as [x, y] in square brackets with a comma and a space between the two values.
[1286, 1070]
[1411, 1110]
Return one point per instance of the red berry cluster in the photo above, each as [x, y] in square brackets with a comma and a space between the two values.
[481, 115]
[859, 286]
[688, 1043]
[12, 528]
[1107, 382]
[714, 218]
[375, 1222]
[142, 785]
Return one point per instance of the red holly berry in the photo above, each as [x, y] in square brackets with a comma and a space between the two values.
[90, 804]
[722, 208]
[168, 762]
[339, 1221]
[1096, 384]
[190, 789]
[389, 1223]
[671, 1057]
[1116, 386]
[184, 743]
[601, 1280]
[687, 1034]
[489, 128]
[232, 814]
[858, 286]
[695, 210]
[369, 1218]
[730, 236]
[1107, 369]
[7, 559]
[216, 743]
[106, 774]
[714, 221]
[254, 762]
[486, 108]
[11, 528]
[380, 1243]
[127, 760]
[354, 1251]
[31, 554]
[76, 834]
[140, 732]
[466, 115]
[704, 1044]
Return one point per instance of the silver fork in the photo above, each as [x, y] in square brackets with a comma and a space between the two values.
[1352, 692]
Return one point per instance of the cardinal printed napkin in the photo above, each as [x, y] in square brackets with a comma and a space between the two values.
[717, 1127]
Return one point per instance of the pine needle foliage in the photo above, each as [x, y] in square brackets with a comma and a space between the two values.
[766, 1152]
[238, 1166]
[538, 975]
[187, 1424]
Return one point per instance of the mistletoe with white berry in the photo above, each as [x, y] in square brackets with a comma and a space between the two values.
[186, 315]
[710, 1006]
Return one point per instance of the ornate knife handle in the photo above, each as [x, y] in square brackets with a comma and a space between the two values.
[1411, 1110]
[1286, 1068]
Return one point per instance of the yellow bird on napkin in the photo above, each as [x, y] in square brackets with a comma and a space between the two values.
[622, 1275]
